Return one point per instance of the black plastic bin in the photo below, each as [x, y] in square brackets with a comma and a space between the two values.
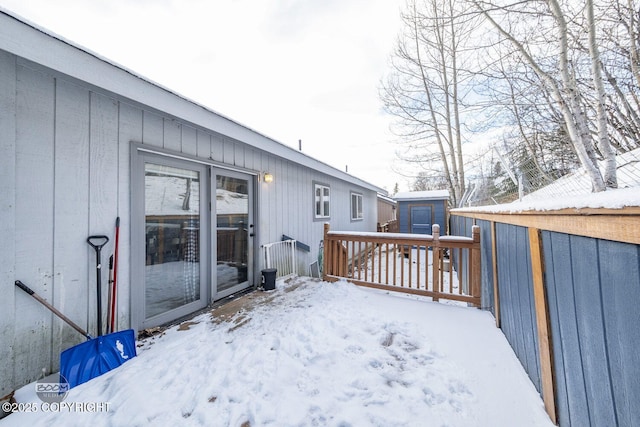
[269, 279]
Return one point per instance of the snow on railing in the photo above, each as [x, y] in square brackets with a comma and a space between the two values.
[446, 267]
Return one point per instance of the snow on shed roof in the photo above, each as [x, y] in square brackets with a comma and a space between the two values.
[34, 43]
[422, 195]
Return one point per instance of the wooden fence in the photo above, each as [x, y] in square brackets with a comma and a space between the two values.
[564, 287]
[441, 267]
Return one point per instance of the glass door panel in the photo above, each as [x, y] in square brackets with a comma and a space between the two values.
[233, 232]
[173, 206]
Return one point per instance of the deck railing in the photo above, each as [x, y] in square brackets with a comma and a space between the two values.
[441, 267]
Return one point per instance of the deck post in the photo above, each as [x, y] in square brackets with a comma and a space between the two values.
[327, 252]
[435, 250]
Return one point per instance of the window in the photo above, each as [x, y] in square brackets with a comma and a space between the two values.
[356, 207]
[322, 201]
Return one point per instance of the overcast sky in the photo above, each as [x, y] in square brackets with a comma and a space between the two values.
[289, 69]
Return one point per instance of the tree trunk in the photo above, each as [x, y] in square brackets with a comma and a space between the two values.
[610, 178]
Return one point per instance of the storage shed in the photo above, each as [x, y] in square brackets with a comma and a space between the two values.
[419, 210]
[85, 141]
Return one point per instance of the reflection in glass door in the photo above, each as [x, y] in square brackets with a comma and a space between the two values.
[173, 206]
[234, 229]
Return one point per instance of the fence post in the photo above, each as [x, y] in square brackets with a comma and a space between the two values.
[327, 253]
[545, 351]
[475, 273]
[435, 250]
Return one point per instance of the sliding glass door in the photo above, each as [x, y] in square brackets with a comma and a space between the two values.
[175, 211]
[191, 236]
[234, 232]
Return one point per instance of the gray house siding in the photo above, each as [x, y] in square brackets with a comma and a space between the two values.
[65, 173]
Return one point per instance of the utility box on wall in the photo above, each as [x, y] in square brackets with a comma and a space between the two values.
[419, 210]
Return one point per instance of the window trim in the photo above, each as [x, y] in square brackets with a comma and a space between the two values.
[327, 215]
[360, 197]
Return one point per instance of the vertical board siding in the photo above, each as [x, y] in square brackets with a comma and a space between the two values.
[565, 336]
[217, 148]
[130, 124]
[103, 200]
[7, 217]
[594, 291]
[590, 323]
[529, 326]
[562, 398]
[516, 291]
[238, 157]
[228, 151]
[152, 129]
[438, 211]
[189, 140]
[486, 261]
[620, 279]
[172, 136]
[203, 141]
[71, 213]
[34, 221]
[67, 173]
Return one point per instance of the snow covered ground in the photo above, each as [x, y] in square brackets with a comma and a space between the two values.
[312, 353]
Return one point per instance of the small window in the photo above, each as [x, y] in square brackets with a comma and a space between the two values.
[356, 207]
[322, 201]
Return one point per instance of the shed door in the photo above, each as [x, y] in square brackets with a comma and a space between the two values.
[420, 219]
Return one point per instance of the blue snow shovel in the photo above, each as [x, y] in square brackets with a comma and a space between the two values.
[94, 357]
[99, 355]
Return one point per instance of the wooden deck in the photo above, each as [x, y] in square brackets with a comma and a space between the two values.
[238, 311]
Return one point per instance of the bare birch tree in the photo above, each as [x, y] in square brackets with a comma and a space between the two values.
[559, 73]
[427, 86]
[610, 179]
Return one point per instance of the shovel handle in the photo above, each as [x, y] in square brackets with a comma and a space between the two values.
[97, 242]
[52, 308]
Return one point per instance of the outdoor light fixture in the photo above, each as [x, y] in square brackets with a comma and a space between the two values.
[268, 177]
